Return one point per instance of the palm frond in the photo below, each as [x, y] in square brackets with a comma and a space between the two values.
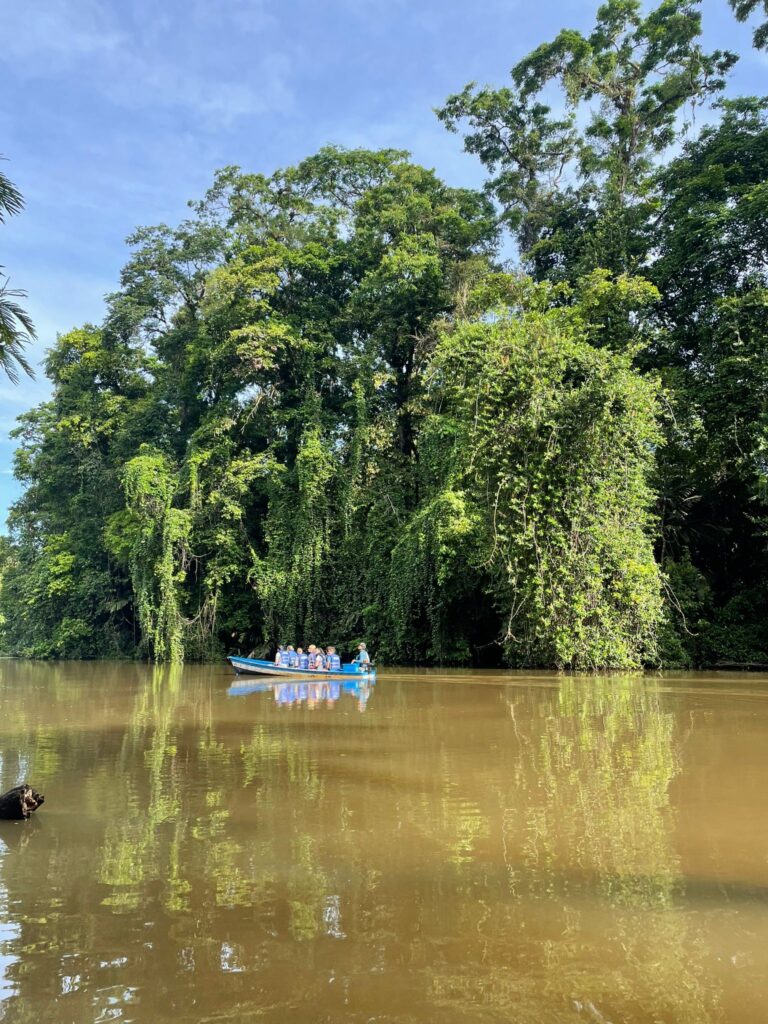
[11, 200]
[16, 332]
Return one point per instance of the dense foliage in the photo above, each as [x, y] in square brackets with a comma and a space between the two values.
[319, 409]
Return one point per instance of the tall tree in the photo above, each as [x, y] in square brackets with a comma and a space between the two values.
[281, 335]
[711, 268]
[537, 506]
[578, 189]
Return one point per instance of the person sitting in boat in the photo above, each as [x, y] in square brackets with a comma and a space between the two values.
[332, 660]
[280, 657]
[292, 659]
[311, 655]
[319, 663]
[302, 658]
[362, 660]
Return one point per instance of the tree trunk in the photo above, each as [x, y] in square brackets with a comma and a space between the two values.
[19, 802]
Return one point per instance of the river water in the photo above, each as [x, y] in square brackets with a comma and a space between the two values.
[443, 847]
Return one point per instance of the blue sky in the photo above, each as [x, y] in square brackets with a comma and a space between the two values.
[118, 111]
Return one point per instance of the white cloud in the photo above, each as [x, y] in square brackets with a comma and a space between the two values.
[14, 400]
[51, 34]
[416, 130]
[231, 100]
[167, 57]
[25, 394]
[219, 102]
[250, 16]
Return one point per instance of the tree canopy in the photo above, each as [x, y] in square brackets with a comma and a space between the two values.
[321, 409]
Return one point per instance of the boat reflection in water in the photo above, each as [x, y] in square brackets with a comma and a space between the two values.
[312, 692]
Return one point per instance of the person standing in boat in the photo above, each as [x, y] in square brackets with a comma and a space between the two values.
[362, 659]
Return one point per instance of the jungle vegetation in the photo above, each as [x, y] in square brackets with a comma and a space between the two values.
[322, 407]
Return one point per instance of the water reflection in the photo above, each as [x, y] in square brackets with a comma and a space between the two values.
[312, 693]
[10, 933]
[528, 850]
[590, 831]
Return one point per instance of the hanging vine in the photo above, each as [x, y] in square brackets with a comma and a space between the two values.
[553, 440]
[157, 554]
[291, 577]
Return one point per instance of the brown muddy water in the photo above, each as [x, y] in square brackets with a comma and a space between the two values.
[446, 847]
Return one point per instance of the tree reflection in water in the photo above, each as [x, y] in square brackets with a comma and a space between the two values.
[457, 853]
[589, 832]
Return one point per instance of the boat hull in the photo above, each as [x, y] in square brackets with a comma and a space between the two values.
[255, 666]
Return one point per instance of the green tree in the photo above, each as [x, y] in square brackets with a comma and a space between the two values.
[710, 267]
[274, 346]
[64, 595]
[596, 188]
[542, 448]
[581, 197]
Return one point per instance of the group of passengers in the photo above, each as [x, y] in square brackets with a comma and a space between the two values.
[315, 659]
[322, 691]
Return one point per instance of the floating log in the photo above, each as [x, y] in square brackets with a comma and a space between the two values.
[19, 802]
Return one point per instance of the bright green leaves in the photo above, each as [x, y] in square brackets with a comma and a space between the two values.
[158, 553]
[535, 456]
[554, 453]
[239, 314]
[70, 450]
[292, 580]
[614, 311]
[316, 412]
[593, 206]
[434, 568]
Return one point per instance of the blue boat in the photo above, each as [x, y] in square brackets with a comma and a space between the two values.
[255, 666]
